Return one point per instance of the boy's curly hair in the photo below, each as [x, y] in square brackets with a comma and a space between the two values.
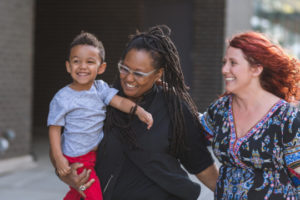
[86, 38]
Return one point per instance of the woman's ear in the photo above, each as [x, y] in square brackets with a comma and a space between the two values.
[257, 70]
[159, 74]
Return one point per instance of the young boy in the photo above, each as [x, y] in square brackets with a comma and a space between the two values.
[80, 108]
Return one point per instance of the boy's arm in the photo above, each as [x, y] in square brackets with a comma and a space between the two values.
[60, 161]
[55, 141]
[125, 105]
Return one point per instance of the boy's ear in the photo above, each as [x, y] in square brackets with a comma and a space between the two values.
[68, 67]
[102, 68]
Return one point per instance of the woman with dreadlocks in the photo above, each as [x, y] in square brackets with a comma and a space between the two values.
[136, 163]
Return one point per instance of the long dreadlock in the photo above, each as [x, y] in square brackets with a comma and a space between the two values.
[164, 54]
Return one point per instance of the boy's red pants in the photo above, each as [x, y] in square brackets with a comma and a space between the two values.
[94, 192]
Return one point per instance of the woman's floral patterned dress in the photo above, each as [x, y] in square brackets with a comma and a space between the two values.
[260, 164]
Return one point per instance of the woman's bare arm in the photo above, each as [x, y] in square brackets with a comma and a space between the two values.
[209, 177]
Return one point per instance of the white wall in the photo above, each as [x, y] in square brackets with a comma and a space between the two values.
[238, 15]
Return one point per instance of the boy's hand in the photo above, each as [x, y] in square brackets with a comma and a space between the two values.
[62, 166]
[144, 116]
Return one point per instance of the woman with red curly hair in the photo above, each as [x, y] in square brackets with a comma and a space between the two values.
[255, 132]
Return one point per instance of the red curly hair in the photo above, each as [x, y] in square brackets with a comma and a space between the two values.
[280, 73]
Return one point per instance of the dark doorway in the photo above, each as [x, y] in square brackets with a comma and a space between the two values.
[57, 22]
[178, 15]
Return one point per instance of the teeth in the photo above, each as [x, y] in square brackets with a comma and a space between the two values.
[131, 86]
[229, 79]
[82, 74]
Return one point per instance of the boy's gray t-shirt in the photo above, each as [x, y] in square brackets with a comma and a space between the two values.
[82, 114]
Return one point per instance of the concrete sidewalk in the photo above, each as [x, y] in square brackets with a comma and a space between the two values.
[37, 183]
[41, 183]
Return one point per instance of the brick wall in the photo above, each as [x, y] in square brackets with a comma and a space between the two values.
[209, 26]
[16, 52]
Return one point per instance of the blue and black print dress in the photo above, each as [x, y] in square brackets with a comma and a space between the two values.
[260, 164]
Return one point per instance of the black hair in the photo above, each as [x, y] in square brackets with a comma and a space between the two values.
[86, 38]
[164, 55]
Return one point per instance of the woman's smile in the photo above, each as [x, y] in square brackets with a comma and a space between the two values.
[129, 85]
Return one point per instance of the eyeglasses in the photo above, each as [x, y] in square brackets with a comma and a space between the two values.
[136, 74]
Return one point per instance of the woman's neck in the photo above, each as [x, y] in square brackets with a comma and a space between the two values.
[254, 100]
[144, 95]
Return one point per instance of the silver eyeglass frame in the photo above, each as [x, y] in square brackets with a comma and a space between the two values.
[136, 74]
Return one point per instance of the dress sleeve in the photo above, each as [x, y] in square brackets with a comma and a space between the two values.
[57, 111]
[105, 92]
[206, 122]
[208, 118]
[196, 157]
[291, 142]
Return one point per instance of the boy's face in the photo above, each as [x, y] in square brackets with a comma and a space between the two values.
[84, 65]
